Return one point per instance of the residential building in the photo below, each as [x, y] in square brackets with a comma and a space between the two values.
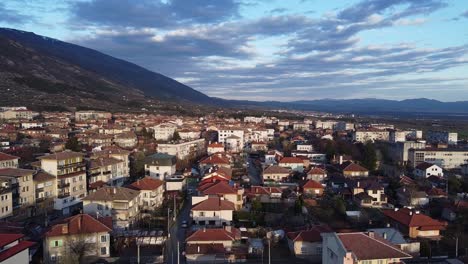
[151, 192]
[444, 137]
[415, 224]
[70, 169]
[91, 115]
[411, 196]
[65, 240]
[45, 186]
[396, 238]
[301, 126]
[343, 126]
[425, 170]
[360, 248]
[370, 194]
[371, 134]
[126, 140]
[317, 174]
[107, 170]
[307, 244]
[293, 163]
[20, 181]
[164, 131]
[230, 193]
[225, 133]
[399, 150]
[118, 202]
[275, 173]
[14, 249]
[215, 245]
[351, 169]
[327, 124]
[313, 188]
[446, 158]
[213, 211]
[183, 150]
[116, 153]
[264, 194]
[6, 200]
[8, 161]
[215, 148]
[17, 114]
[160, 166]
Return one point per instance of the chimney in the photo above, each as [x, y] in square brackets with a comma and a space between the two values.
[341, 159]
[358, 184]
[385, 235]
[198, 249]
[371, 234]
[396, 209]
[410, 212]
[79, 222]
[65, 229]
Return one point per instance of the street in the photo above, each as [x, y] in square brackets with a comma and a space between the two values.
[254, 172]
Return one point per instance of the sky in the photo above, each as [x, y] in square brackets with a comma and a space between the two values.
[282, 50]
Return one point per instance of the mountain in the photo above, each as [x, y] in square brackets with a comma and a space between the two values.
[39, 66]
[48, 74]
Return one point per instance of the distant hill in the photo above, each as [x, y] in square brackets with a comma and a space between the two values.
[46, 73]
[33, 65]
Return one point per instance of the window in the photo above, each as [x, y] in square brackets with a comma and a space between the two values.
[103, 239]
[103, 251]
[201, 214]
[57, 243]
[99, 207]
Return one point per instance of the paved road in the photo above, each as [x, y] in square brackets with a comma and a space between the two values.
[177, 233]
[254, 172]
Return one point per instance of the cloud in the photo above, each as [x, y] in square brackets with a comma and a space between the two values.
[278, 10]
[148, 13]
[11, 16]
[465, 14]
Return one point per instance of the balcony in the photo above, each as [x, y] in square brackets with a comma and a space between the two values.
[62, 185]
[39, 190]
[71, 165]
[63, 195]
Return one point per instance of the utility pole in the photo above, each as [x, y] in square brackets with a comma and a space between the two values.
[178, 252]
[269, 251]
[456, 247]
[175, 210]
[138, 252]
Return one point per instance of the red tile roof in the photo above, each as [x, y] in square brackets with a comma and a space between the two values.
[214, 234]
[78, 224]
[146, 183]
[6, 239]
[311, 184]
[316, 171]
[216, 145]
[10, 252]
[4, 156]
[215, 159]
[213, 204]
[218, 188]
[273, 169]
[409, 218]
[370, 246]
[312, 235]
[353, 167]
[291, 160]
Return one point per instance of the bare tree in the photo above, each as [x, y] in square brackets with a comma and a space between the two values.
[79, 246]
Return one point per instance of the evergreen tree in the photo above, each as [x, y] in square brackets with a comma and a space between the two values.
[73, 144]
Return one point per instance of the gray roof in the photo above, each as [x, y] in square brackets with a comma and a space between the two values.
[393, 235]
[160, 159]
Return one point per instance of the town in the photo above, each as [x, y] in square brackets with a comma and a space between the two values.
[106, 187]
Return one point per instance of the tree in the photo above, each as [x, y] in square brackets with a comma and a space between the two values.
[79, 247]
[73, 144]
[369, 159]
[176, 136]
[137, 165]
[257, 206]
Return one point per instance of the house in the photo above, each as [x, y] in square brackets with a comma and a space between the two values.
[126, 140]
[307, 244]
[164, 132]
[230, 193]
[151, 192]
[116, 153]
[65, 239]
[396, 238]
[213, 211]
[360, 248]
[313, 188]
[14, 249]
[415, 224]
[411, 196]
[273, 157]
[275, 173]
[216, 245]
[215, 148]
[451, 211]
[370, 194]
[425, 170]
[217, 174]
[8, 161]
[70, 169]
[160, 166]
[184, 149]
[20, 182]
[351, 169]
[293, 163]
[264, 194]
[118, 202]
[259, 146]
[317, 174]
[215, 160]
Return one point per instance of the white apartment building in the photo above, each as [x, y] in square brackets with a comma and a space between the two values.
[225, 133]
[444, 158]
[364, 135]
[301, 126]
[343, 126]
[399, 150]
[91, 115]
[445, 137]
[164, 131]
[404, 135]
[328, 124]
[183, 150]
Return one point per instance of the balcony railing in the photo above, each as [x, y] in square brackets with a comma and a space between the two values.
[61, 185]
[63, 195]
[71, 165]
